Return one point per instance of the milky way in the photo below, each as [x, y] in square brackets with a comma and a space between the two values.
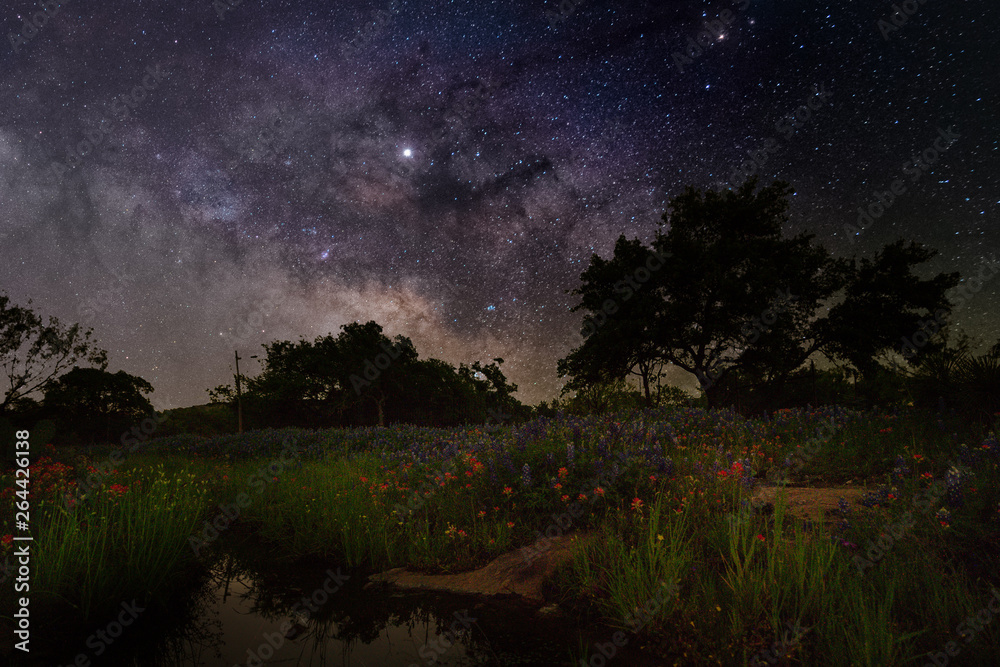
[190, 178]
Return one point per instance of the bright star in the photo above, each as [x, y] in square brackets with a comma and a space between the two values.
[407, 153]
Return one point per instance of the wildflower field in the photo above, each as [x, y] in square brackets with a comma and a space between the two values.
[907, 575]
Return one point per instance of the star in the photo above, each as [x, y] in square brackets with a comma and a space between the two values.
[264, 174]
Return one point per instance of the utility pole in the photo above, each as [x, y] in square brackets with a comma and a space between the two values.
[239, 396]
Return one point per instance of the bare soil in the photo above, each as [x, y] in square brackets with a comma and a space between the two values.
[816, 504]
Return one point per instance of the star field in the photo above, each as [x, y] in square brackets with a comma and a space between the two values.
[188, 178]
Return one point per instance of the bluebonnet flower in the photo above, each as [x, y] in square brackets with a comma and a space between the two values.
[968, 457]
[570, 452]
[844, 543]
[844, 510]
[901, 469]
[526, 475]
[953, 480]
[875, 498]
[991, 447]
[666, 466]
[602, 447]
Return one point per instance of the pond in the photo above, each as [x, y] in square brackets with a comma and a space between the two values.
[251, 610]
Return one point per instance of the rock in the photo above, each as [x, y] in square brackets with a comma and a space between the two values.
[521, 572]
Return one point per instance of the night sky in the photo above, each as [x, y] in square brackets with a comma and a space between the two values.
[273, 170]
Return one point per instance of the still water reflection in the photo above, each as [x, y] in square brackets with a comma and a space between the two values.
[253, 609]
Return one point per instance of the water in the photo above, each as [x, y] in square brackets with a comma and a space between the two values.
[249, 611]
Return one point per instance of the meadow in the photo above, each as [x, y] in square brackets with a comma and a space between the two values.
[907, 575]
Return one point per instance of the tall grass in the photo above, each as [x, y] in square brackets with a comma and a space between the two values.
[115, 545]
[737, 582]
[348, 508]
[746, 583]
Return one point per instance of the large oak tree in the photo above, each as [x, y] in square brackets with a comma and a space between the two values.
[736, 294]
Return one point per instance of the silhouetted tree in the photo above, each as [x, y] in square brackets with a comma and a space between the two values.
[95, 404]
[885, 302]
[602, 396]
[619, 336]
[33, 354]
[735, 296]
[362, 377]
[954, 377]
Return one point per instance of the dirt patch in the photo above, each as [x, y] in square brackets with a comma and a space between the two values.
[509, 573]
[809, 503]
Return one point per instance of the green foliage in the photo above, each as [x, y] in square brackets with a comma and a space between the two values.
[206, 420]
[602, 397]
[117, 542]
[736, 299]
[90, 404]
[361, 377]
[955, 378]
[728, 577]
[33, 354]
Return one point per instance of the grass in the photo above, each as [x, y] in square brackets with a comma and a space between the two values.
[117, 542]
[680, 559]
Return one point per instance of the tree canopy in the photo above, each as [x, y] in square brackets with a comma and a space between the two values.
[95, 404]
[362, 377]
[735, 296]
[33, 354]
